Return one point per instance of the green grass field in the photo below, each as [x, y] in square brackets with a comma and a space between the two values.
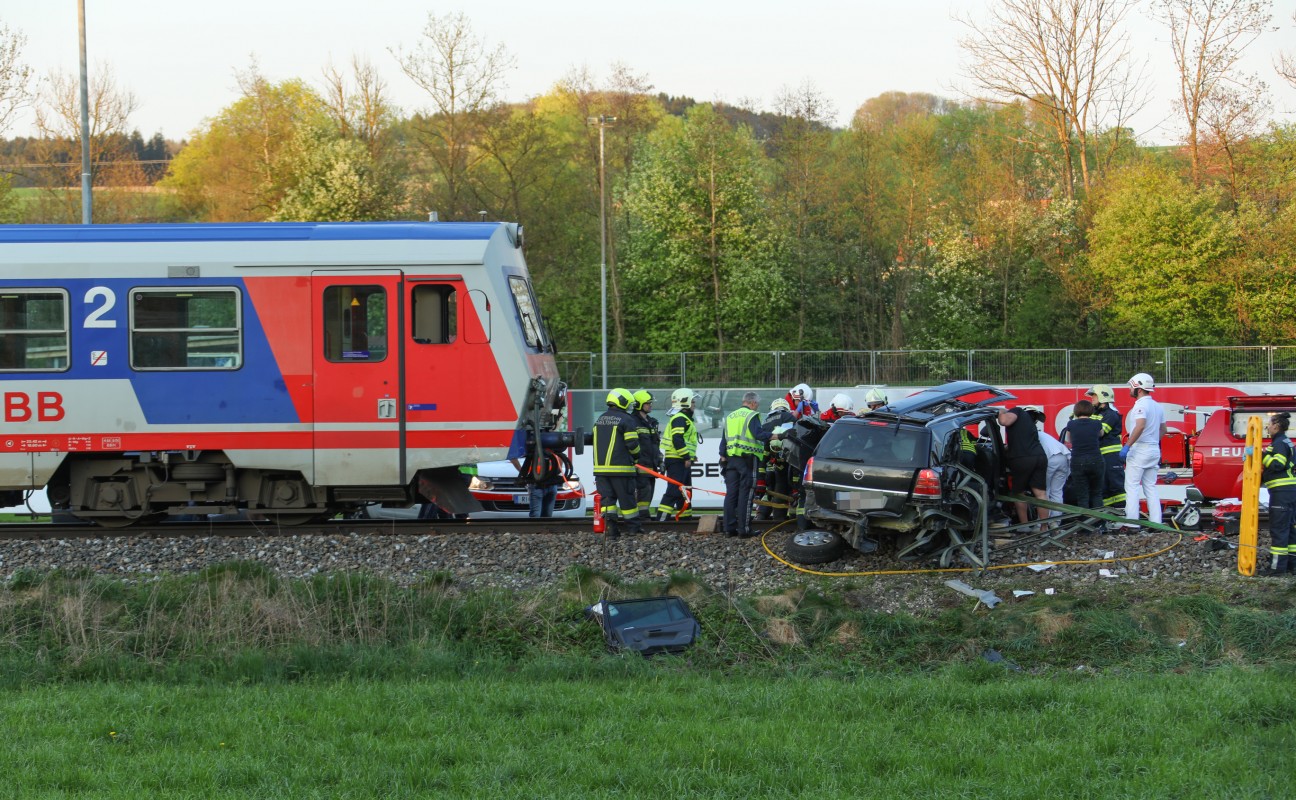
[650, 733]
[235, 683]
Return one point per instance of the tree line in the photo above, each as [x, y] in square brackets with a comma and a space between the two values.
[1028, 217]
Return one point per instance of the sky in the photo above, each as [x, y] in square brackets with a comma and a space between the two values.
[180, 58]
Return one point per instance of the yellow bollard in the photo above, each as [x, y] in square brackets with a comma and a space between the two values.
[1249, 530]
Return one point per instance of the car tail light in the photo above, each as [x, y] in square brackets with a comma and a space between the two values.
[1198, 461]
[809, 471]
[927, 487]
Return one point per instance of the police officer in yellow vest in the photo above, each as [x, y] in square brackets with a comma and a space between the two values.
[616, 449]
[1277, 476]
[679, 446]
[741, 448]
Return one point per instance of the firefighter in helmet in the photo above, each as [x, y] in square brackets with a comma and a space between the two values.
[616, 450]
[776, 488]
[1109, 444]
[873, 400]
[841, 406]
[679, 447]
[800, 399]
[650, 454]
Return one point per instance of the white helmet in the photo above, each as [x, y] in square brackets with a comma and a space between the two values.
[780, 405]
[802, 392]
[1142, 381]
[875, 397]
[842, 402]
[682, 398]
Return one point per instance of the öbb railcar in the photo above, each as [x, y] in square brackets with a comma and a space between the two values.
[292, 370]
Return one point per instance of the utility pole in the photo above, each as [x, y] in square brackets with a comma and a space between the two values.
[603, 121]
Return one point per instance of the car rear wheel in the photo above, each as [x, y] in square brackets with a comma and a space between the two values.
[815, 547]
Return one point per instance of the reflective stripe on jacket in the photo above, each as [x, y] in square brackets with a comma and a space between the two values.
[1110, 441]
[681, 437]
[616, 443]
[650, 454]
[1277, 464]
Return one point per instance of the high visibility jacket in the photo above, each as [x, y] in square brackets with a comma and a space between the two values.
[616, 443]
[738, 437]
[1277, 464]
[681, 437]
[1110, 441]
[649, 430]
[966, 442]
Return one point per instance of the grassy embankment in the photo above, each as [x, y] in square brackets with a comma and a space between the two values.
[234, 683]
[634, 729]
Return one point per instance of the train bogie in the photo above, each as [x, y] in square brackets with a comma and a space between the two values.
[294, 370]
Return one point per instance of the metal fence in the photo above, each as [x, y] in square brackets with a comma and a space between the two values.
[1263, 364]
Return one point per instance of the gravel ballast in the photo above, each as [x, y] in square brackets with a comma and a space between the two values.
[526, 561]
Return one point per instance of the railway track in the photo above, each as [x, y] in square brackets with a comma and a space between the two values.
[30, 531]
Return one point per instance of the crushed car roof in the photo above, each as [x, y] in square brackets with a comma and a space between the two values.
[944, 399]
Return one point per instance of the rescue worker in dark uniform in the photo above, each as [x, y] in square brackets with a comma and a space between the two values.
[1278, 476]
[650, 454]
[741, 448]
[778, 481]
[797, 446]
[1083, 434]
[1027, 462]
[679, 447]
[616, 450]
[1109, 445]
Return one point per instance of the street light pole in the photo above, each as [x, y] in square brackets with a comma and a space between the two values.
[603, 121]
[85, 118]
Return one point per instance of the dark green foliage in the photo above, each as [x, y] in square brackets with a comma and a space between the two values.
[927, 224]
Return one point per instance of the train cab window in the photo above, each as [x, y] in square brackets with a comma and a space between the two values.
[435, 314]
[186, 329]
[532, 328]
[355, 323]
[33, 330]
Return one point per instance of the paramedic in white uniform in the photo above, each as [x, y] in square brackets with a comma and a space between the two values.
[1145, 424]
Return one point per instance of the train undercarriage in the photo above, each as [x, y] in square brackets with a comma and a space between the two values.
[144, 488]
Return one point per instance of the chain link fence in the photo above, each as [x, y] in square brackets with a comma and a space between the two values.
[699, 370]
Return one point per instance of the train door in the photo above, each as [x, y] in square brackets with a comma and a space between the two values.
[359, 428]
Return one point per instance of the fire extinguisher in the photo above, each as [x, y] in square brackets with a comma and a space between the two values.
[598, 513]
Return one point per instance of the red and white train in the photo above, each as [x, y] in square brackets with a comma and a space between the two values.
[294, 370]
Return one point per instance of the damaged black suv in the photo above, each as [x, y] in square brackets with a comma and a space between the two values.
[901, 473]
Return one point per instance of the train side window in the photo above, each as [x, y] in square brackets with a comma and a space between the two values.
[355, 323]
[480, 333]
[532, 329]
[435, 314]
[187, 329]
[33, 330]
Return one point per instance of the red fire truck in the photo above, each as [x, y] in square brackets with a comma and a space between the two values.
[1218, 449]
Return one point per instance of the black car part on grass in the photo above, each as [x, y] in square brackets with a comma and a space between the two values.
[648, 625]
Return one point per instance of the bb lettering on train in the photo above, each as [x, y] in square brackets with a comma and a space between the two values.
[19, 407]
